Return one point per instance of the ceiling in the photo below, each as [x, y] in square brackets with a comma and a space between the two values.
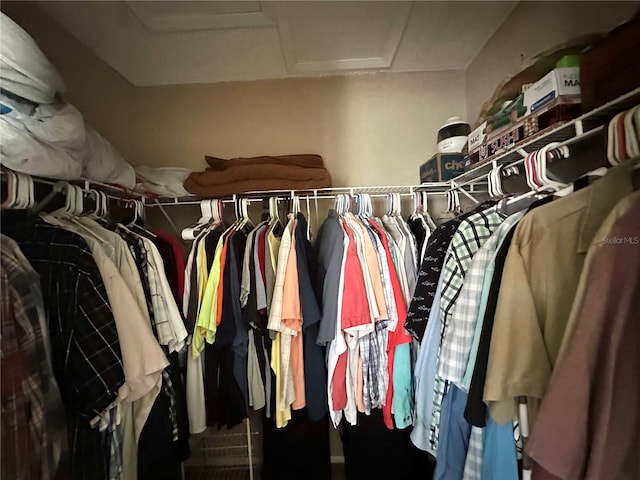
[180, 42]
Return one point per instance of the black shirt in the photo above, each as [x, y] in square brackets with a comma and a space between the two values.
[418, 312]
[85, 350]
[315, 370]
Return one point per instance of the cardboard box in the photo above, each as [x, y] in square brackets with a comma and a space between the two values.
[611, 68]
[556, 83]
[476, 138]
[442, 167]
[498, 141]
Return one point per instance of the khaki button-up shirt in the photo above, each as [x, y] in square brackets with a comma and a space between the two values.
[539, 284]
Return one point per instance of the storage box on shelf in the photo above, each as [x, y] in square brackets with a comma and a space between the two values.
[544, 119]
[442, 167]
[611, 68]
[560, 82]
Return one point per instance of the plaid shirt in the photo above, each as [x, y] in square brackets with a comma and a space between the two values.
[458, 337]
[430, 270]
[31, 403]
[471, 234]
[84, 341]
[473, 462]
[139, 252]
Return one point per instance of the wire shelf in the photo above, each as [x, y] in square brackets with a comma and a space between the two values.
[321, 193]
[575, 130]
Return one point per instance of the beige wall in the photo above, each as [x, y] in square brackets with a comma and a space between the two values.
[531, 28]
[371, 129]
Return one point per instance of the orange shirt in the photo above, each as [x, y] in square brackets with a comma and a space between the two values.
[292, 318]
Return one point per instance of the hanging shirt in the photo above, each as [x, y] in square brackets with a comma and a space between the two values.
[356, 318]
[271, 261]
[178, 257]
[142, 358]
[430, 271]
[315, 370]
[259, 269]
[397, 336]
[81, 327]
[281, 351]
[457, 340]
[205, 328]
[246, 260]
[595, 402]
[471, 234]
[369, 346]
[292, 318]
[337, 348]
[402, 260]
[525, 346]
[421, 232]
[189, 295]
[411, 251]
[235, 251]
[329, 251]
[425, 374]
[166, 310]
[34, 432]
[377, 354]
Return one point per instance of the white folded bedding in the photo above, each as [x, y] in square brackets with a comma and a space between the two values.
[166, 181]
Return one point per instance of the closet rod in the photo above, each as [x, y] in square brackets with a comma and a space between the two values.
[432, 188]
[113, 192]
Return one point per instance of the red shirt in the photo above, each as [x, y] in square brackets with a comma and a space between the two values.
[179, 256]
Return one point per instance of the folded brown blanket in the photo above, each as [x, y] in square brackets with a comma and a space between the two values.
[241, 175]
[269, 171]
[305, 161]
[243, 186]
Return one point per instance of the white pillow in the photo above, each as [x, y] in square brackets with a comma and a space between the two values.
[24, 69]
[22, 152]
[103, 163]
[166, 182]
[57, 124]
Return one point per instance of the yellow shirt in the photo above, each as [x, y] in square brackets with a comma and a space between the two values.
[206, 325]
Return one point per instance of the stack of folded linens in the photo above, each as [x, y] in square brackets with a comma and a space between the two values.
[241, 175]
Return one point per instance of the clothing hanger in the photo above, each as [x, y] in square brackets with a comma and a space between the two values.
[275, 225]
[513, 180]
[29, 183]
[136, 225]
[244, 213]
[569, 163]
[11, 190]
[77, 207]
[206, 217]
[417, 206]
[308, 219]
[22, 194]
[632, 132]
